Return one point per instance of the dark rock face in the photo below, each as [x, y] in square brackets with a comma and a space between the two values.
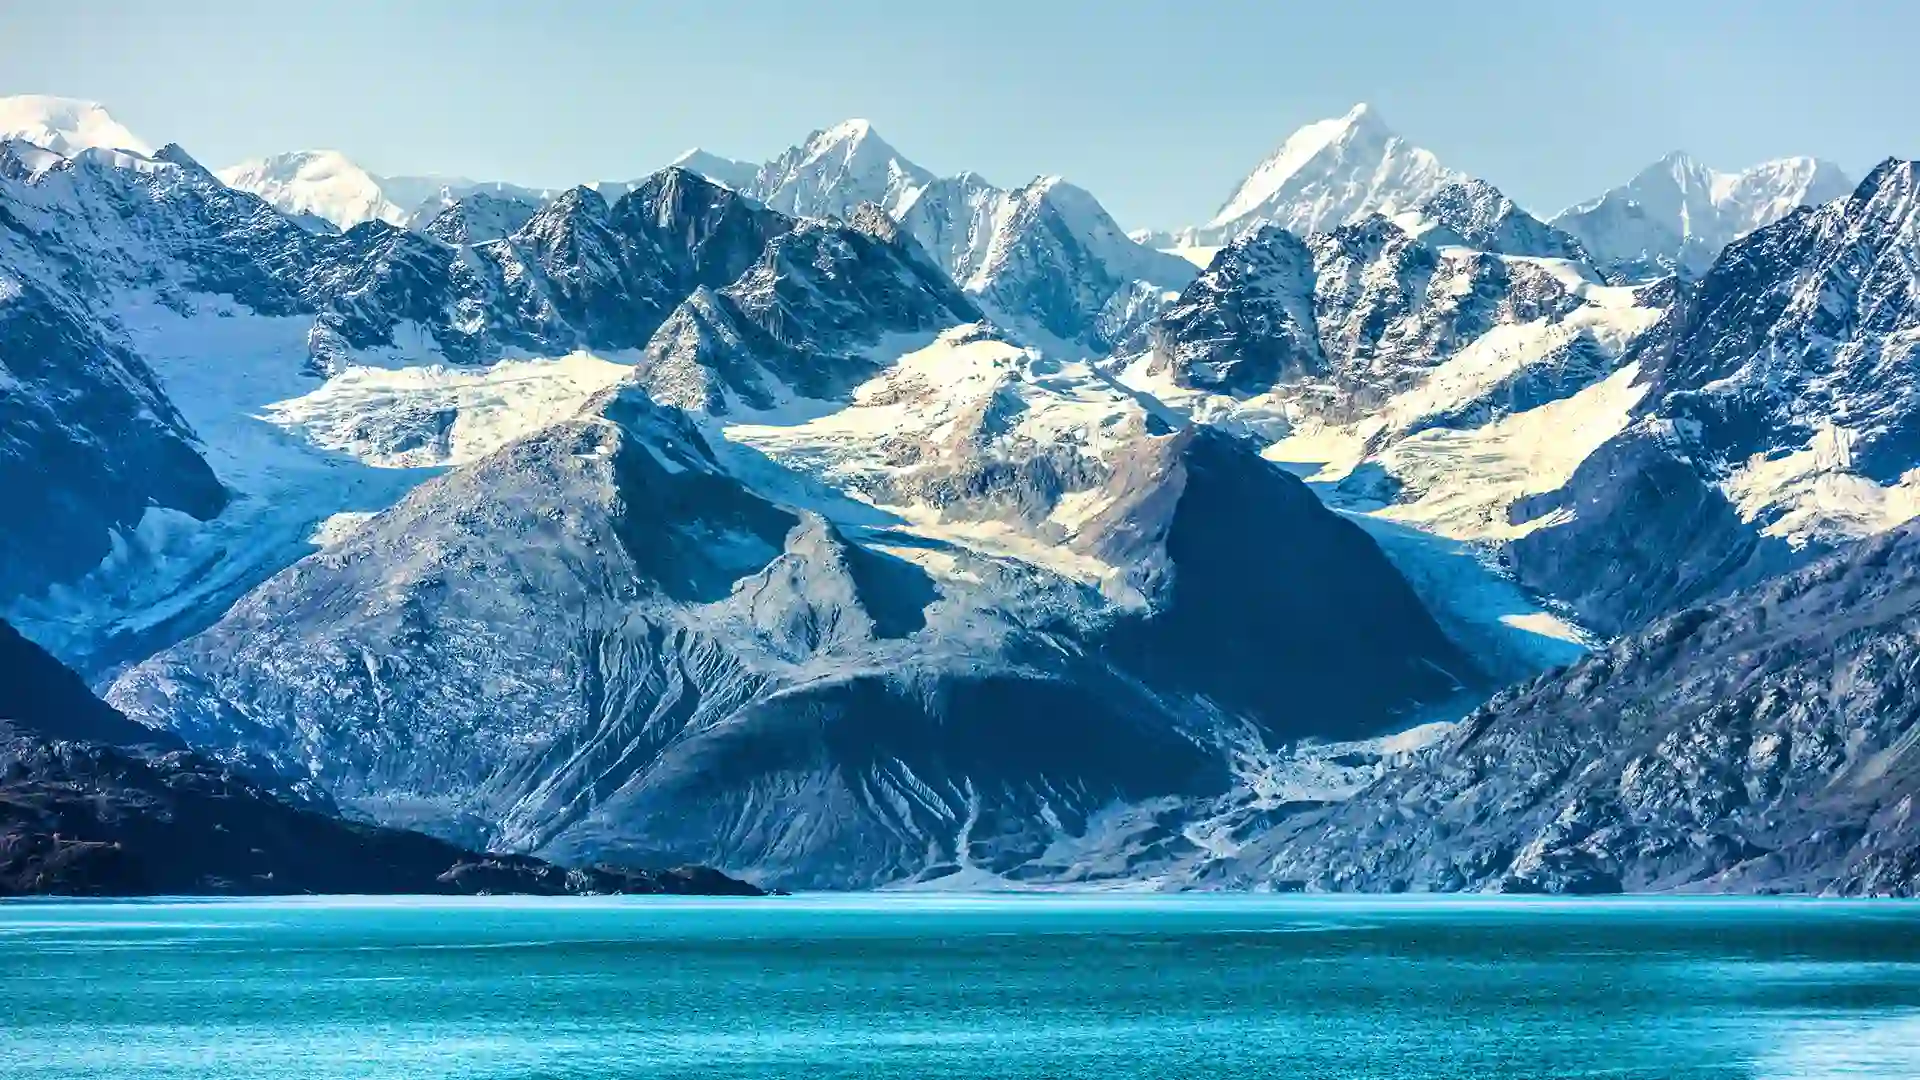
[1810, 319]
[1225, 541]
[92, 804]
[87, 441]
[1763, 743]
[1247, 323]
[41, 698]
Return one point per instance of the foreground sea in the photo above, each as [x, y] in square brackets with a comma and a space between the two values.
[914, 986]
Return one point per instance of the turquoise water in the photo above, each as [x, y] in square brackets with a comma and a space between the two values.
[961, 987]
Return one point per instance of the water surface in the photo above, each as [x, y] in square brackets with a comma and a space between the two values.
[975, 987]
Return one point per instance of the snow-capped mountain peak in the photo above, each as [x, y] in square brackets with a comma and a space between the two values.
[323, 183]
[727, 172]
[65, 126]
[1329, 172]
[837, 169]
[1677, 214]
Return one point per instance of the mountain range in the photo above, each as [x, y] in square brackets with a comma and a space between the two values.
[841, 525]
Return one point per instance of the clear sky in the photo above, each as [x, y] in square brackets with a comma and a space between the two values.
[1157, 106]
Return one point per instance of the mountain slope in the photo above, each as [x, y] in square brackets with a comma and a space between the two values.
[1778, 418]
[88, 441]
[94, 804]
[828, 693]
[1677, 214]
[1765, 743]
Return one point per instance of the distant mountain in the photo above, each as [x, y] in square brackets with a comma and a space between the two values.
[834, 171]
[92, 804]
[325, 186]
[1677, 214]
[1474, 214]
[1326, 174]
[427, 197]
[65, 126]
[1625, 449]
[738, 175]
[478, 217]
[322, 183]
[1766, 743]
[1364, 321]
[1046, 258]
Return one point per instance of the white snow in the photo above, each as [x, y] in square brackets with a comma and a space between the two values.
[1681, 213]
[1812, 494]
[295, 453]
[337, 529]
[1327, 173]
[1460, 483]
[436, 416]
[727, 172]
[1200, 255]
[836, 170]
[66, 126]
[323, 183]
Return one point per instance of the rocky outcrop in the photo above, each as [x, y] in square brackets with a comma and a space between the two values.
[1765, 743]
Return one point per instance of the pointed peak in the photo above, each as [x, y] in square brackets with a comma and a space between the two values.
[577, 199]
[727, 172]
[849, 130]
[1893, 174]
[1679, 163]
[175, 154]
[676, 179]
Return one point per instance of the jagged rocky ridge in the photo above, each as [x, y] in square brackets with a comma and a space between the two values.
[92, 804]
[1624, 450]
[1778, 419]
[1346, 320]
[1764, 743]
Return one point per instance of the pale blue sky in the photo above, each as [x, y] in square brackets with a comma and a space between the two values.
[1158, 106]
